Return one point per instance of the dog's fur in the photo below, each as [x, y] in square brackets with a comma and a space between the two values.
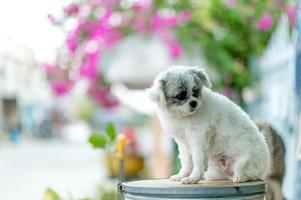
[216, 138]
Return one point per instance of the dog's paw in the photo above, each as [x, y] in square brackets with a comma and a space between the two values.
[239, 179]
[177, 177]
[190, 180]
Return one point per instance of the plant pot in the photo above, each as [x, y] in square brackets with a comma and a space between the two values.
[133, 164]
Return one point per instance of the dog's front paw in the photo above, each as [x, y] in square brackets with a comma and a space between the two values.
[177, 177]
[239, 179]
[190, 180]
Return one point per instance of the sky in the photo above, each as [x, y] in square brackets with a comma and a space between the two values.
[25, 22]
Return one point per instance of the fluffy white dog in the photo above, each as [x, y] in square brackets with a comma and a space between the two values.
[216, 138]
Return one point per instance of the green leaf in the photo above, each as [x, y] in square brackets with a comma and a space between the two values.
[50, 194]
[111, 131]
[98, 141]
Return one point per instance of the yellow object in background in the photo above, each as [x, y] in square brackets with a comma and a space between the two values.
[121, 144]
[133, 165]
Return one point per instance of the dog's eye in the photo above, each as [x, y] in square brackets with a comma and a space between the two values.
[181, 96]
[196, 93]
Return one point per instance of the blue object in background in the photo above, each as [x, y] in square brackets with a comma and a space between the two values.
[14, 135]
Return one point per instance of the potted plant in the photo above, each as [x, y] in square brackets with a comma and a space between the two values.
[107, 141]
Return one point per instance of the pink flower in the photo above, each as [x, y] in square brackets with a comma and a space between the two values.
[159, 22]
[175, 48]
[184, 16]
[291, 12]
[142, 9]
[101, 95]
[104, 33]
[140, 24]
[106, 38]
[109, 102]
[107, 4]
[52, 19]
[71, 9]
[132, 138]
[265, 22]
[143, 5]
[61, 87]
[228, 93]
[85, 28]
[89, 67]
[71, 41]
[166, 22]
[59, 82]
[48, 68]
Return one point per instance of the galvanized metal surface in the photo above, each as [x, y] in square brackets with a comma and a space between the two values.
[160, 189]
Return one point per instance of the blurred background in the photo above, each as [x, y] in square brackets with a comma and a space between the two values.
[73, 74]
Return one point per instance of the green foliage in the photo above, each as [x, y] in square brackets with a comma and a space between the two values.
[98, 141]
[105, 141]
[85, 109]
[111, 131]
[50, 194]
[229, 37]
[106, 194]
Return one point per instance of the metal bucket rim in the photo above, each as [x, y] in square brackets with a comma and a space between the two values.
[194, 190]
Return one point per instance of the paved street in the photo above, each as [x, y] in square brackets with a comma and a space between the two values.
[27, 169]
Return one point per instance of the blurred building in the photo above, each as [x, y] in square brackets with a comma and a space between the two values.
[21, 82]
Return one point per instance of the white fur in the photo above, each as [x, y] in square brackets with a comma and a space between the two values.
[216, 141]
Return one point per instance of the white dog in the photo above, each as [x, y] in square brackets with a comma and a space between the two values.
[216, 139]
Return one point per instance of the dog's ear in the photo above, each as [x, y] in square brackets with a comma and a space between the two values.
[203, 77]
[155, 93]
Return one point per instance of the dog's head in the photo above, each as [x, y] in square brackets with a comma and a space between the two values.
[179, 89]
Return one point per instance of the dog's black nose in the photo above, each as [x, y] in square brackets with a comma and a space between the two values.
[193, 104]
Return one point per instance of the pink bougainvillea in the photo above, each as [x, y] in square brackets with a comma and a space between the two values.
[142, 10]
[184, 16]
[74, 37]
[159, 22]
[145, 5]
[104, 33]
[291, 12]
[265, 22]
[61, 87]
[227, 92]
[89, 67]
[60, 84]
[164, 26]
[71, 9]
[71, 41]
[101, 24]
[102, 95]
[106, 4]
[99, 27]
[175, 48]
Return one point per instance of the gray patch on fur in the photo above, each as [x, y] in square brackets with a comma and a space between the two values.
[201, 76]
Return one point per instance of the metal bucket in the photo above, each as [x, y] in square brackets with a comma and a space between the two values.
[160, 189]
